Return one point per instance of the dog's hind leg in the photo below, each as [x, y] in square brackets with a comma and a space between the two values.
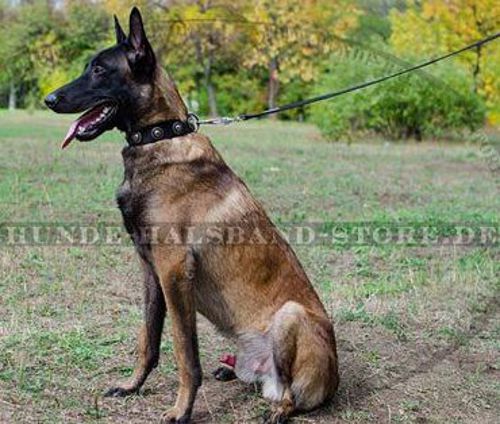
[283, 334]
[269, 357]
[304, 361]
[305, 356]
[149, 337]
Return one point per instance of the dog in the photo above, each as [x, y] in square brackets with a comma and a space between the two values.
[255, 292]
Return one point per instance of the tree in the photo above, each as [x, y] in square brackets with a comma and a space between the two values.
[208, 32]
[290, 34]
[42, 47]
[432, 27]
[197, 36]
[6, 82]
[373, 22]
[21, 28]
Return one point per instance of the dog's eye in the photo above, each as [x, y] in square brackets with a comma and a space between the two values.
[98, 70]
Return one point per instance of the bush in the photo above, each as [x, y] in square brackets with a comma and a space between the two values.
[433, 102]
[238, 93]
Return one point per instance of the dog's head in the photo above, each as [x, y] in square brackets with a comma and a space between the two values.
[114, 87]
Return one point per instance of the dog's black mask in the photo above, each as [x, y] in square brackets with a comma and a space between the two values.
[114, 87]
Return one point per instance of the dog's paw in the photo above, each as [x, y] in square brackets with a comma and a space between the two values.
[174, 417]
[224, 374]
[275, 417]
[119, 392]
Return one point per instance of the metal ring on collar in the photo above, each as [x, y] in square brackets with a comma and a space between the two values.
[193, 121]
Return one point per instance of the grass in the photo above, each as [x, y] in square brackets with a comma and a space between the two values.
[417, 326]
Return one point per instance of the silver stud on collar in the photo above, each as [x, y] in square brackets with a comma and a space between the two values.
[136, 137]
[157, 133]
[177, 128]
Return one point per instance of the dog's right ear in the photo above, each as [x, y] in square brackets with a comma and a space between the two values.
[120, 34]
[140, 55]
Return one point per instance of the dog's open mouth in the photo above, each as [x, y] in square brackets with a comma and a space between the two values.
[91, 124]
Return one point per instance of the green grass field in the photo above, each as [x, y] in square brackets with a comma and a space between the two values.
[417, 326]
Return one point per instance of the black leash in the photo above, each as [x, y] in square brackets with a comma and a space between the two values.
[245, 117]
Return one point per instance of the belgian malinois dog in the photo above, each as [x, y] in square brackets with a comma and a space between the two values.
[254, 292]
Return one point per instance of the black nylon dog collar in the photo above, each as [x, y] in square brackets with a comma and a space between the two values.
[163, 130]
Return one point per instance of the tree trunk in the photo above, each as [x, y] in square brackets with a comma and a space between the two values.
[477, 70]
[212, 98]
[12, 97]
[477, 67]
[206, 65]
[273, 85]
[212, 101]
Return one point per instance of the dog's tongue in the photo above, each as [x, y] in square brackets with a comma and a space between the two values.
[70, 135]
[83, 121]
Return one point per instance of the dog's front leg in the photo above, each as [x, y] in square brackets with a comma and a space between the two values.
[149, 336]
[177, 280]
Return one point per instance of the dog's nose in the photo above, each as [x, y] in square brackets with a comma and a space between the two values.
[51, 100]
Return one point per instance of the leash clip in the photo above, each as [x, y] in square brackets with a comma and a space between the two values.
[193, 121]
[223, 120]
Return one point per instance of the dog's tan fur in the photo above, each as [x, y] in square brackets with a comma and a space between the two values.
[243, 276]
[257, 293]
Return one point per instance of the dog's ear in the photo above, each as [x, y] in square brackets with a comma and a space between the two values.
[140, 55]
[120, 34]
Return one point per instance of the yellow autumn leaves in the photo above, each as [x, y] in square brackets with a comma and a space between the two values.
[432, 27]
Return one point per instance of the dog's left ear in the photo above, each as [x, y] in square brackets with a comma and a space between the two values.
[140, 55]
[120, 35]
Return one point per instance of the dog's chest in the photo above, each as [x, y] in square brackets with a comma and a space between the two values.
[132, 204]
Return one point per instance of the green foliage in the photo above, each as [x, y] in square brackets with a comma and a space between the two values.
[231, 57]
[42, 48]
[432, 26]
[373, 26]
[80, 42]
[296, 90]
[373, 22]
[237, 93]
[22, 29]
[423, 104]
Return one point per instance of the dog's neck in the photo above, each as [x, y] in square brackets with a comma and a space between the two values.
[165, 102]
